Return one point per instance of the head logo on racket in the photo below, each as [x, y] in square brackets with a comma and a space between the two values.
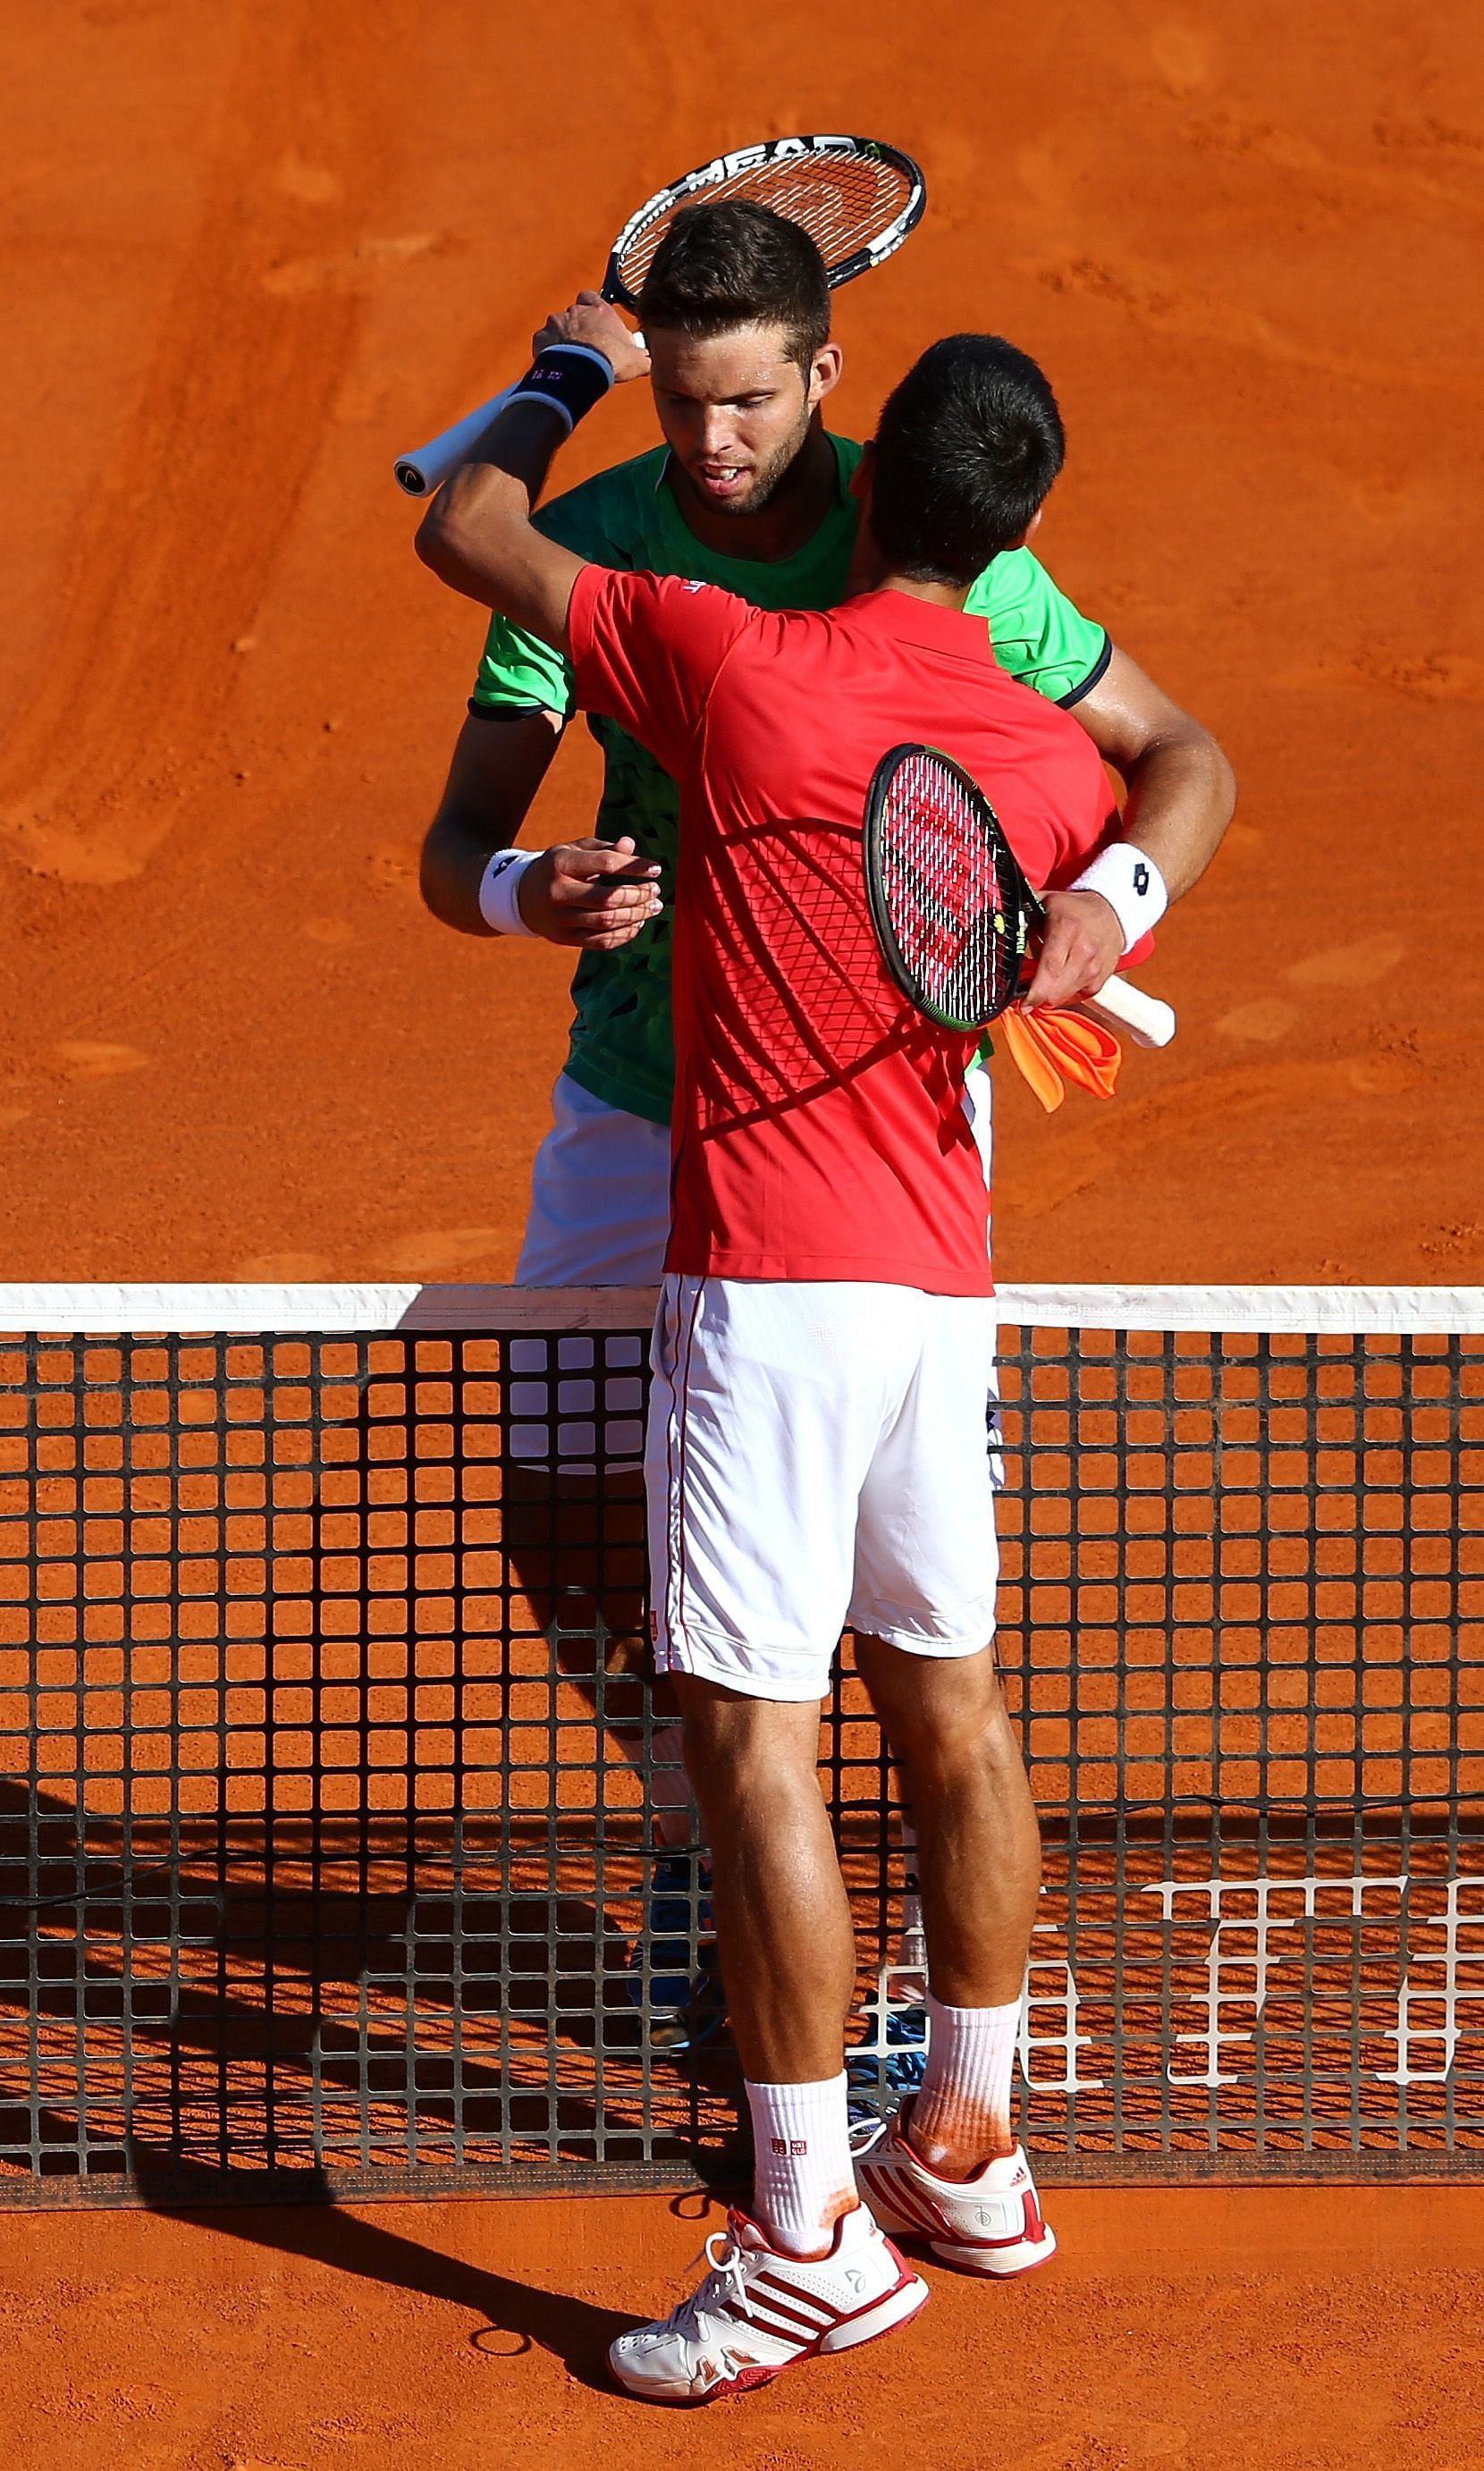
[857, 198]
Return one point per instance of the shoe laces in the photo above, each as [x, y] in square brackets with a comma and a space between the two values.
[725, 2286]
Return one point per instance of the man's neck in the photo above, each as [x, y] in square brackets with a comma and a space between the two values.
[786, 524]
[945, 596]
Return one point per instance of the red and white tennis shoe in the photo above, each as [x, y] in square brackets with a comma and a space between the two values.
[758, 2312]
[991, 2223]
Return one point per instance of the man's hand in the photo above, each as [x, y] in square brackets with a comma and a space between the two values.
[593, 894]
[592, 321]
[1082, 946]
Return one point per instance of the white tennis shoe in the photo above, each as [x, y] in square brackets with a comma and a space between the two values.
[991, 2223]
[760, 2311]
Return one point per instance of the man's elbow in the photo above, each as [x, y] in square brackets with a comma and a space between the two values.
[1191, 745]
[437, 542]
[431, 880]
[444, 885]
[1223, 776]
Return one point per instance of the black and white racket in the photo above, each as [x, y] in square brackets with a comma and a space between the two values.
[857, 198]
[952, 911]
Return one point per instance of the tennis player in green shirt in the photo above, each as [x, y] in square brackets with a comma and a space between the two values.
[752, 492]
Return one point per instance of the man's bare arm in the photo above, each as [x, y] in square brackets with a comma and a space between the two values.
[1181, 789]
[478, 537]
[497, 766]
[1181, 794]
[591, 894]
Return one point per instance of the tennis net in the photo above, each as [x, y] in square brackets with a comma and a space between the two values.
[323, 1870]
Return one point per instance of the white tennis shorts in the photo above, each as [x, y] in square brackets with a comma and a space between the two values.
[600, 1191]
[599, 1197]
[815, 1459]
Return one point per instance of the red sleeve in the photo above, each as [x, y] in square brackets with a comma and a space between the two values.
[646, 649]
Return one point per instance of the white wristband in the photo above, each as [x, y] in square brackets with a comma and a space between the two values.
[499, 885]
[1131, 884]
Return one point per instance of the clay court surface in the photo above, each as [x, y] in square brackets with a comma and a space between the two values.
[251, 253]
[1224, 2331]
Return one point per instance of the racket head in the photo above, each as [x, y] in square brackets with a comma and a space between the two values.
[951, 905]
[857, 198]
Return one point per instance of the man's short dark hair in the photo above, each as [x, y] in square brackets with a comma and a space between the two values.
[966, 450]
[736, 264]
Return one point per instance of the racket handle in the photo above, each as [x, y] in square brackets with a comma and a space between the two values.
[1147, 1021]
[422, 473]
[425, 470]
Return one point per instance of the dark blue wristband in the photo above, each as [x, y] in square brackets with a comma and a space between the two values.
[571, 377]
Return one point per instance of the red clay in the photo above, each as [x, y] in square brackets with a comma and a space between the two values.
[255, 252]
[252, 252]
[1215, 2331]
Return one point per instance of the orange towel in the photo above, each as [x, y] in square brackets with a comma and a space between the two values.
[1052, 1045]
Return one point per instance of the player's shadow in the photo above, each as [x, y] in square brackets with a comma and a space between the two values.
[218, 1984]
[299, 2216]
[355, 1952]
[511, 2316]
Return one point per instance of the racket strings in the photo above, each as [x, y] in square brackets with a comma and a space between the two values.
[843, 201]
[959, 926]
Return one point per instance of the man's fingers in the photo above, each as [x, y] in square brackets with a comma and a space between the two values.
[1062, 972]
[592, 894]
[1081, 947]
[610, 943]
[593, 321]
[612, 893]
[615, 900]
[594, 932]
[598, 876]
[585, 860]
[606, 896]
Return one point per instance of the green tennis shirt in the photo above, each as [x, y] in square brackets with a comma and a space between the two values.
[622, 1047]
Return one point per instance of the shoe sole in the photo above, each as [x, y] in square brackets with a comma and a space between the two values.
[898, 2308]
[1024, 2258]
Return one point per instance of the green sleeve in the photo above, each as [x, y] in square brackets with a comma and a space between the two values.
[518, 671]
[1038, 635]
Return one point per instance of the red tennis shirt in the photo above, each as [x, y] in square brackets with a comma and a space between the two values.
[819, 1130]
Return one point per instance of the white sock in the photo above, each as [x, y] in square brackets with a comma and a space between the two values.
[964, 2106]
[803, 2177]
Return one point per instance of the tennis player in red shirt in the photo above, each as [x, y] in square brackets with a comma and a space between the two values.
[825, 1344]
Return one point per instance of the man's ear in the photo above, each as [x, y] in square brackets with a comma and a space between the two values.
[824, 373]
[1023, 539]
[862, 477]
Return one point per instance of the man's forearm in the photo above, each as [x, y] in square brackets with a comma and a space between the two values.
[1181, 794]
[454, 858]
[477, 534]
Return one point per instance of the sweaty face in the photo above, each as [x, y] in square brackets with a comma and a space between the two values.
[735, 411]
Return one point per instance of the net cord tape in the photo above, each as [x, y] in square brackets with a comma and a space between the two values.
[374, 1307]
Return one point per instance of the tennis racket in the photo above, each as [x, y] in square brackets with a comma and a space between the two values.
[952, 911]
[856, 199]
